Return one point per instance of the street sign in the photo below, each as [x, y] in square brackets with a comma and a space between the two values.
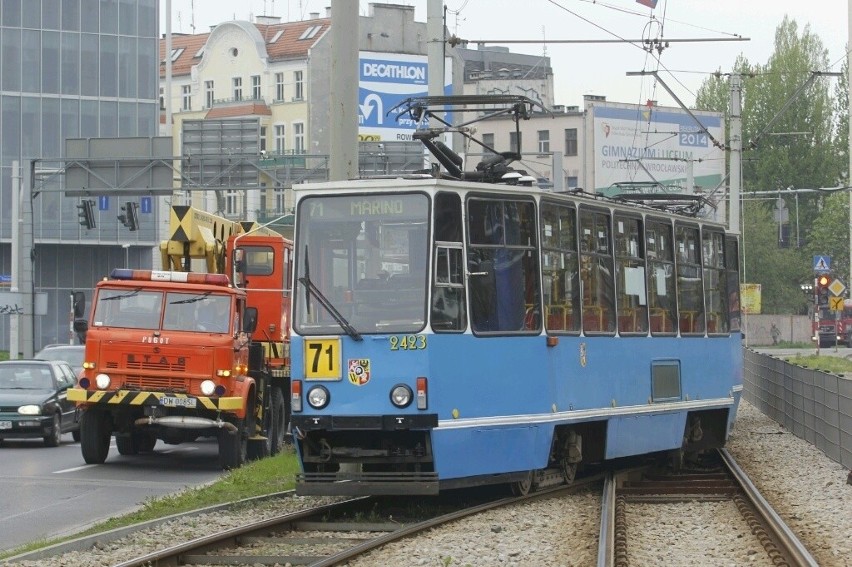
[103, 202]
[835, 303]
[836, 287]
[145, 204]
[822, 264]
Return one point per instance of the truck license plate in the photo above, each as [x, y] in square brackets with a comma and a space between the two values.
[172, 402]
[5, 425]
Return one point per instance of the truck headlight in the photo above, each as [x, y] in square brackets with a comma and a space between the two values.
[208, 387]
[102, 381]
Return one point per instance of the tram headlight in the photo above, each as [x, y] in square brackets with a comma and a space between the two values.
[208, 387]
[102, 381]
[401, 395]
[318, 397]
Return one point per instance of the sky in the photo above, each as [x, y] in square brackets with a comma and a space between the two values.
[592, 68]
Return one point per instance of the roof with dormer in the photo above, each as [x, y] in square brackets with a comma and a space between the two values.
[281, 42]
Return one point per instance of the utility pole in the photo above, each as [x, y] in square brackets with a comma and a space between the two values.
[849, 119]
[736, 153]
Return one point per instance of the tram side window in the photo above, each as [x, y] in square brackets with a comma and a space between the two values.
[715, 282]
[449, 312]
[732, 269]
[630, 276]
[503, 265]
[690, 296]
[559, 270]
[662, 303]
[596, 272]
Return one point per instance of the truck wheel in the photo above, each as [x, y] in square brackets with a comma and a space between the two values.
[279, 422]
[54, 436]
[126, 444]
[145, 442]
[233, 446]
[95, 431]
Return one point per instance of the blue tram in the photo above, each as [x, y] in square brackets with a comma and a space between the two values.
[448, 333]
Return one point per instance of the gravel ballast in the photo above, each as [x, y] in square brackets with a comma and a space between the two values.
[808, 490]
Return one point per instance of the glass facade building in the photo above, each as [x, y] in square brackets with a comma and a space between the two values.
[73, 69]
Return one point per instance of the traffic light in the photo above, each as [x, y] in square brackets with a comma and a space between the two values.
[130, 215]
[822, 291]
[87, 213]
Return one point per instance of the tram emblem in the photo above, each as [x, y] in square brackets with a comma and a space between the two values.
[359, 371]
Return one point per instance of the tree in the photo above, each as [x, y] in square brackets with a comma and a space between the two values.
[795, 148]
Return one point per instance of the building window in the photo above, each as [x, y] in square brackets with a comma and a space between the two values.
[298, 137]
[255, 87]
[208, 93]
[571, 181]
[488, 140]
[279, 86]
[238, 88]
[515, 140]
[278, 193]
[543, 141]
[280, 139]
[232, 202]
[263, 138]
[186, 96]
[299, 85]
[570, 141]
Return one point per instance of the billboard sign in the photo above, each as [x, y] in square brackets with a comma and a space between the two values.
[651, 148]
[385, 80]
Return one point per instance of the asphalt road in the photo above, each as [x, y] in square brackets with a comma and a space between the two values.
[47, 492]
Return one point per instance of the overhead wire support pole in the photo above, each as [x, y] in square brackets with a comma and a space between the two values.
[814, 76]
[656, 75]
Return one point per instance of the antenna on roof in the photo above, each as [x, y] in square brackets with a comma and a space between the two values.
[192, 16]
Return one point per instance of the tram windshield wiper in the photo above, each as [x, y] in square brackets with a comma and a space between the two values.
[323, 300]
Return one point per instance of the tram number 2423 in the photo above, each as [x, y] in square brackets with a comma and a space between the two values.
[322, 356]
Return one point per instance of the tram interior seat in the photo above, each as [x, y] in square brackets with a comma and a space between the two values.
[660, 322]
[594, 319]
[559, 317]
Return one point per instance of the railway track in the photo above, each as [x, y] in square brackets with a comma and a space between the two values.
[722, 481]
[332, 534]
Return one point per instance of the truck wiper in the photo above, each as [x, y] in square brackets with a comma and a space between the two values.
[191, 299]
[133, 293]
[323, 300]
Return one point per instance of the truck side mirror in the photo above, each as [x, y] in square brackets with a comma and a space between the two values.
[250, 320]
[79, 302]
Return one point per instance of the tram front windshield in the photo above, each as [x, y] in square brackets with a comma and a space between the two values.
[361, 264]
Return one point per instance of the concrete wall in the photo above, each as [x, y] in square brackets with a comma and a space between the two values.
[793, 328]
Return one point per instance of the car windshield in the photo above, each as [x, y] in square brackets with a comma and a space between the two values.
[73, 355]
[25, 377]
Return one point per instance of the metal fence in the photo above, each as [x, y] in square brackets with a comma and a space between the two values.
[813, 405]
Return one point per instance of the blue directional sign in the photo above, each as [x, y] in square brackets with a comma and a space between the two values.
[103, 202]
[822, 264]
[145, 204]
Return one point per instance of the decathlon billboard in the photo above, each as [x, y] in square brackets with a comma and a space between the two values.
[385, 80]
[641, 144]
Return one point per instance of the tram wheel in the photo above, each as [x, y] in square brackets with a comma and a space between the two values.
[524, 486]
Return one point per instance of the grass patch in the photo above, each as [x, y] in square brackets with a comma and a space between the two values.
[832, 364]
[258, 478]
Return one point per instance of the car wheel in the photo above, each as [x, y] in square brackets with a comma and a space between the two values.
[95, 431]
[54, 436]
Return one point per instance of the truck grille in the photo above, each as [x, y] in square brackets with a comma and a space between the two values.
[156, 383]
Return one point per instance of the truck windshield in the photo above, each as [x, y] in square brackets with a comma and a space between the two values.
[367, 256]
[135, 309]
[203, 312]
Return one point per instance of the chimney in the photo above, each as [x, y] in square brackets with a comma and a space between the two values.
[314, 15]
[267, 20]
[328, 11]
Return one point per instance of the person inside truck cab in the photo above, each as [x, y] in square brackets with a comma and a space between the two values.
[213, 314]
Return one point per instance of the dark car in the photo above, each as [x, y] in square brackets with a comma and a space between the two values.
[72, 354]
[34, 401]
